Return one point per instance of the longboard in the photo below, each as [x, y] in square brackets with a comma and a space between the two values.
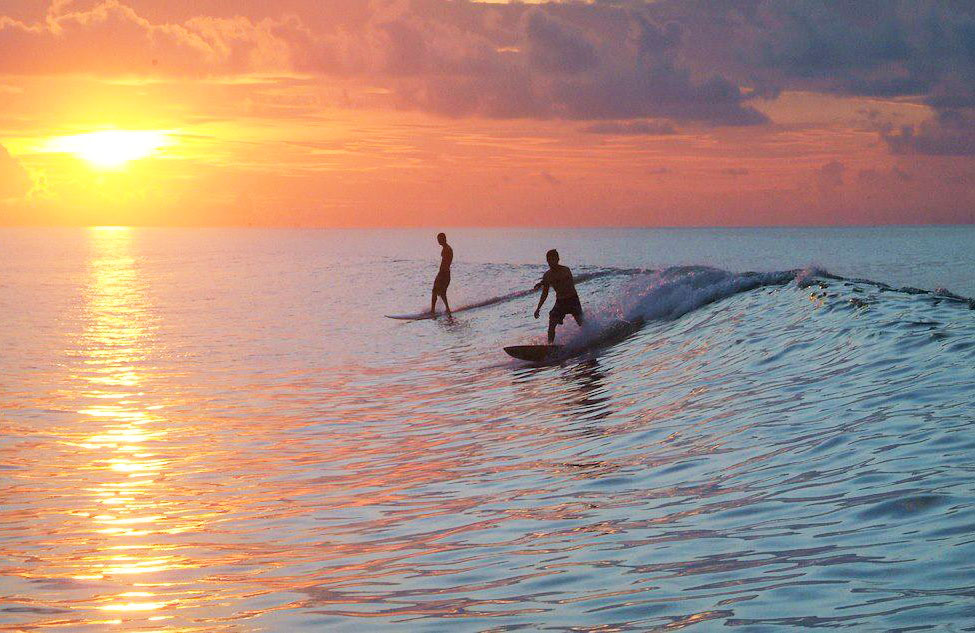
[582, 278]
[534, 353]
[420, 316]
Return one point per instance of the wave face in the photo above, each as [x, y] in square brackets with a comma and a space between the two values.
[665, 296]
[764, 451]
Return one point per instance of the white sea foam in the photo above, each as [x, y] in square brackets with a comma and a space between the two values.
[667, 295]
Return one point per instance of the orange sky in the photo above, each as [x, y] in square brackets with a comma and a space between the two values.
[430, 112]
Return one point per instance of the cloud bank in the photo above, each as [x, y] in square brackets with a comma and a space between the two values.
[950, 133]
[686, 61]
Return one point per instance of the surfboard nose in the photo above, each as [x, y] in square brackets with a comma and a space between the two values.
[533, 353]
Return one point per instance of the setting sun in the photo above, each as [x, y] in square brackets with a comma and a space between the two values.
[110, 149]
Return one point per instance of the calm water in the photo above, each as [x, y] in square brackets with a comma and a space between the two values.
[217, 430]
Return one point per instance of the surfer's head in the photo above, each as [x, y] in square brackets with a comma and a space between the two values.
[552, 257]
[442, 238]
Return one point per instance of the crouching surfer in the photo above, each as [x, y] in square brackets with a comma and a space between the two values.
[566, 297]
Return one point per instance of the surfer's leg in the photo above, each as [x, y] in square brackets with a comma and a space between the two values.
[577, 311]
[556, 316]
[440, 290]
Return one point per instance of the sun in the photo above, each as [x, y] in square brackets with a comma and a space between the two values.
[111, 149]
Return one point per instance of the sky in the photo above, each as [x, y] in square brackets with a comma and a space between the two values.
[390, 113]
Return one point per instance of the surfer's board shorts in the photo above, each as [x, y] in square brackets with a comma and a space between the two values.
[564, 306]
[441, 282]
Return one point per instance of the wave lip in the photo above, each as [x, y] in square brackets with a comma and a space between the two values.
[668, 295]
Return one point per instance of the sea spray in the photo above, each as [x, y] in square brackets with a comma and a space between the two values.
[667, 295]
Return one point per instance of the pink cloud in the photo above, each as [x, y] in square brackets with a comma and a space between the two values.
[451, 58]
[706, 63]
[111, 38]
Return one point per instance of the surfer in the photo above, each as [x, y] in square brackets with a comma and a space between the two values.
[443, 276]
[566, 297]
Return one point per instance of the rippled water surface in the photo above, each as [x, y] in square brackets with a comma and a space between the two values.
[218, 430]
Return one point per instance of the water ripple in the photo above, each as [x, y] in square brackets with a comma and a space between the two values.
[794, 452]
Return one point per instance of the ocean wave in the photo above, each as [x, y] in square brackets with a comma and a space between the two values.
[669, 294]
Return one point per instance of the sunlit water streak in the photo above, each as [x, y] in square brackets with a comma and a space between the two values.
[217, 431]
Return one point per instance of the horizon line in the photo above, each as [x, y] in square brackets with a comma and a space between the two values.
[557, 227]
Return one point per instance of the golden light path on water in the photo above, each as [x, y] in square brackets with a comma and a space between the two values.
[125, 504]
[126, 493]
[111, 557]
[124, 473]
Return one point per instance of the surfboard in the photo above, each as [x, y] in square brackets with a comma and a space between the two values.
[420, 316]
[581, 278]
[534, 353]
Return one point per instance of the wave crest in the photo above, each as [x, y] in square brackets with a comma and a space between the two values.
[669, 294]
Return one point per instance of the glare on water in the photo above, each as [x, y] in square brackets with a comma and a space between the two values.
[121, 512]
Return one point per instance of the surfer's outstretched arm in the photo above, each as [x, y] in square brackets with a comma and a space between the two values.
[541, 300]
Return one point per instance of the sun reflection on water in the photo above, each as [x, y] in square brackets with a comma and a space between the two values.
[127, 471]
[108, 546]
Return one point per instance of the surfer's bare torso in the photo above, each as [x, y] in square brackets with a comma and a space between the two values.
[443, 275]
[559, 278]
[446, 259]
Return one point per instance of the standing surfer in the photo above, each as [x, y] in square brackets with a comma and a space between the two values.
[566, 297]
[443, 276]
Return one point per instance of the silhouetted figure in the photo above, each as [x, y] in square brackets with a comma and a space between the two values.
[566, 297]
[443, 277]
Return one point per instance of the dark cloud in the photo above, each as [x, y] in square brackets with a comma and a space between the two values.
[14, 180]
[407, 51]
[830, 175]
[879, 48]
[950, 133]
[609, 65]
[882, 178]
[735, 171]
[631, 128]
[501, 96]
[658, 90]
[654, 39]
[554, 46]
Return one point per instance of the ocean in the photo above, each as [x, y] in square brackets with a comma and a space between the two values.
[219, 430]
